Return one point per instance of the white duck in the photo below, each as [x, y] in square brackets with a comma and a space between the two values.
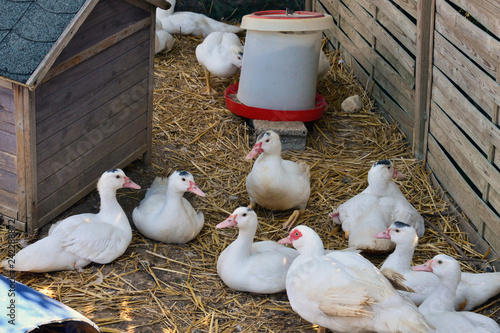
[165, 215]
[343, 291]
[221, 55]
[164, 41]
[189, 23]
[78, 240]
[375, 209]
[439, 307]
[275, 183]
[253, 267]
[473, 290]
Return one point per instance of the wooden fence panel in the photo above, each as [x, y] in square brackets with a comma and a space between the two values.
[465, 109]
[378, 41]
[433, 66]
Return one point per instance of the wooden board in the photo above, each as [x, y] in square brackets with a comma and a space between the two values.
[84, 123]
[483, 48]
[8, 162]
[8, 141]
[57, 181]
[111, 47]
[85, 182]
[84, 89]
[475, 209]
[108, 18]
[8, 203]
[26, 156]
[478, 85]
[97, 99]
[486, 11]
[7, 118]
[93, 136]
[470, 120]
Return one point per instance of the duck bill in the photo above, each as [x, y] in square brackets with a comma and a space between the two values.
[397, 174]
[195, 189]
[130, 184]
[424, 267]
[256, 150]
[285, 241]
[229, 222]
[335, 216]
[383, 235]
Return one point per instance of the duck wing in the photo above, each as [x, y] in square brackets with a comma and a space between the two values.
[98, 242]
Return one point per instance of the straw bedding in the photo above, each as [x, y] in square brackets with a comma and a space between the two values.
[155, 287]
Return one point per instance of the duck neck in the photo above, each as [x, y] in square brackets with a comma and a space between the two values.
[172, 6]
[242, 245]
[111, 207]
[270, 158]
[173, 199]
[313, 249]
[400, 259]
[379, 186]
[443, 297]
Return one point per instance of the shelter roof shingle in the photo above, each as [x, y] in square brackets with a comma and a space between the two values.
[28, 30]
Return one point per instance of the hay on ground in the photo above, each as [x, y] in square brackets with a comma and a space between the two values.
[155, 287]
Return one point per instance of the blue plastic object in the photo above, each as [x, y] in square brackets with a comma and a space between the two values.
[23, 309]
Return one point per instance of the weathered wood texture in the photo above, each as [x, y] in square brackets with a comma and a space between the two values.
[8, 157]
[464, 112]
[435, 72]
[378, 41]
[92, 114]
[89, 113]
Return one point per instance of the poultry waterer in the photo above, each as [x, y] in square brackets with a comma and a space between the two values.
[280, 67]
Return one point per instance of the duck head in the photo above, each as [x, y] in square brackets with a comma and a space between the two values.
[268, 143]
[305, 240]
[183, 181]
[115, 179]
[383, 170]
[242, 217]
[400, 233]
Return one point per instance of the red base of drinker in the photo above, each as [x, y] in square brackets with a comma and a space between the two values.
[273, 115]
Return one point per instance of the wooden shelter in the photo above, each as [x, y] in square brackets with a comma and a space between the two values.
[433, 66]
[76, 90]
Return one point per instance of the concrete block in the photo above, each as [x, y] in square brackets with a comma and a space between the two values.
[293, 134]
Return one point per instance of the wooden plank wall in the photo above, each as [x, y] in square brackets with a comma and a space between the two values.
[437, 74]
[92, 112]
[8, 154]
[464, 110]
[378, 41]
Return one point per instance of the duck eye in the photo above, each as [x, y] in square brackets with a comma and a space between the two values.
[117, 176]
[183, 179]
[244, 214]
[296, 233]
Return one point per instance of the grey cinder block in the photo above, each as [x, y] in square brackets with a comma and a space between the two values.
[293, 134]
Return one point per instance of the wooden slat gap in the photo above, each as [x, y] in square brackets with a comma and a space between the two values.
[97, 48]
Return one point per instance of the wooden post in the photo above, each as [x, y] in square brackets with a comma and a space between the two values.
[495, 114]
[26, 151]
[146, 159]
[426, 10]
[308, 5]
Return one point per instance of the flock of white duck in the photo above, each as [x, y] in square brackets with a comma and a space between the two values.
[221, 52]
[338, 290]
